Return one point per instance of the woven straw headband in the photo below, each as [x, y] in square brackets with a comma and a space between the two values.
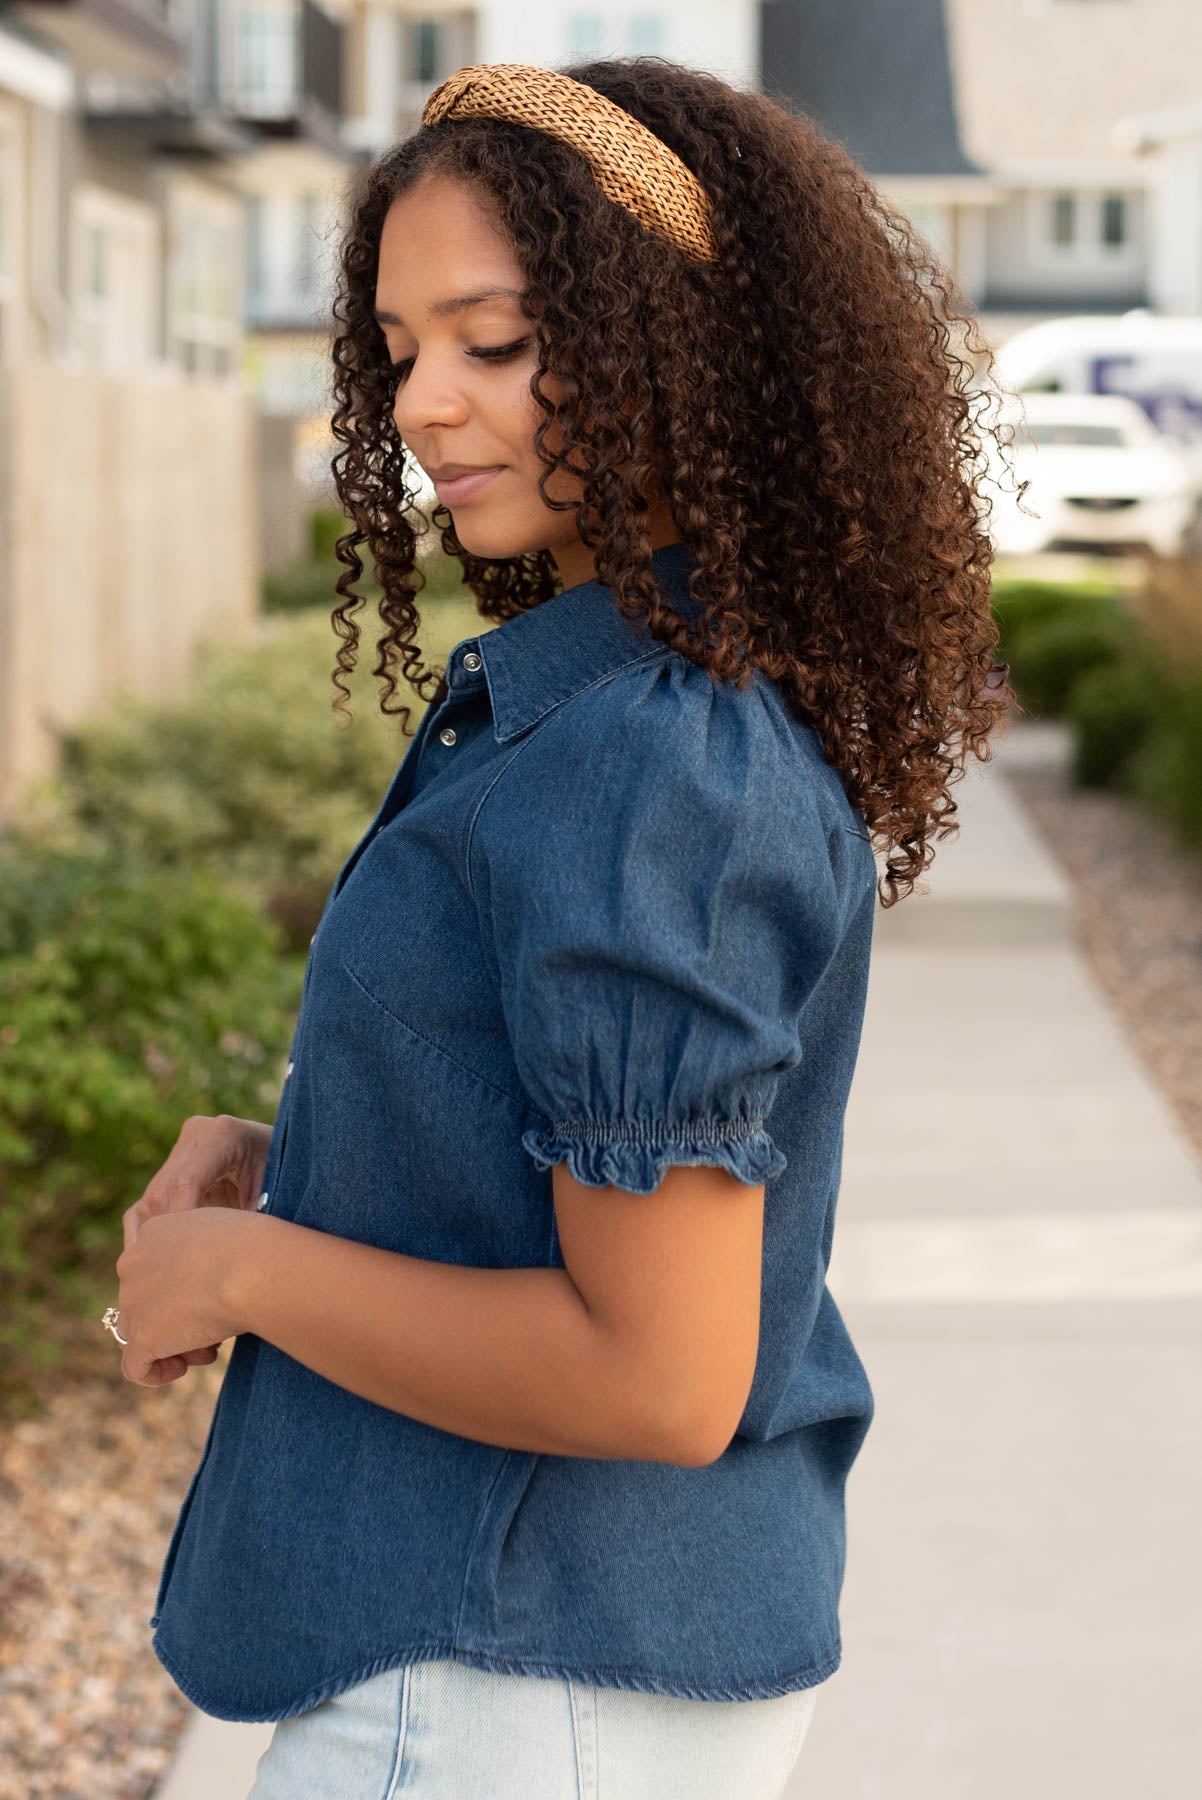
[633, 167]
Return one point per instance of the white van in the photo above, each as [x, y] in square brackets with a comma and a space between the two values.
[1153, 359]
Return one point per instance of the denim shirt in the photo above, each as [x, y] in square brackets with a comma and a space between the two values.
[614, 914]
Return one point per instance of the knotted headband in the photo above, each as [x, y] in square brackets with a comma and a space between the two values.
[632, 166]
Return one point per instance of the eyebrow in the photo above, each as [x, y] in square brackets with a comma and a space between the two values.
[443, 309]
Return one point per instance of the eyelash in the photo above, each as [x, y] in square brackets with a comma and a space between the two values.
[501, 354]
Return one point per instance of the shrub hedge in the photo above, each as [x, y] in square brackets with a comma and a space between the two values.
[1166, 772]
[249, 774]
[131, 997]
[156, 901]
[1049, 658]
[1114, 708]
[1133, 694]
[313, 580]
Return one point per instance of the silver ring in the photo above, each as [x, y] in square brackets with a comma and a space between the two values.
[110, 1321]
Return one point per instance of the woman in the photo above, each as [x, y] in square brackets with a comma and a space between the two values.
[527, 1472]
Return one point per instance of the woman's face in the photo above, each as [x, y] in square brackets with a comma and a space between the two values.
[447, 301]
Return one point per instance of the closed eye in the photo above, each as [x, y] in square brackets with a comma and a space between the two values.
[501, 354]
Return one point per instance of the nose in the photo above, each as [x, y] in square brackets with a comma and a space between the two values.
[427, 396]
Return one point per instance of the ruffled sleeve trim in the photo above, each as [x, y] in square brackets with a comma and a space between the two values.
[635, 1157]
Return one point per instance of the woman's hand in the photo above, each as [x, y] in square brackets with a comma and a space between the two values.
[177, 1280]
[213, 1162]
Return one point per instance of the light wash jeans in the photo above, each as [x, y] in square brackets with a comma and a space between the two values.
[438, 1730]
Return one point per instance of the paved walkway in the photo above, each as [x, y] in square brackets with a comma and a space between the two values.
[1019, 1260]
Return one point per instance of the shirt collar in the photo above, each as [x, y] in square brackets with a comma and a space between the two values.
[539, 658]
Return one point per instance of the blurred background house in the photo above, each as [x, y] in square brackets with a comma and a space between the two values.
[173, 175]
[1050, 150]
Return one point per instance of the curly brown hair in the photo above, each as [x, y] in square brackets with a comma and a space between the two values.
[800, 400]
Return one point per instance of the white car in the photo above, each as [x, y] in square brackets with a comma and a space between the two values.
[1102, 478]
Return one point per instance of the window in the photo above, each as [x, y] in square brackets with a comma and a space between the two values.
[645, 34]
[285, 380]
[308, 247]
[204, 280]
[273, 254]
[1074, 432]
[1114, 220]
[1084, 227]
[96, 279]
[199, 24]
[1064, 219]
[268, 56]
[114, 251]
[425, 61]
[586, 33]
[256, 255]
[289, 274]
[934, 223]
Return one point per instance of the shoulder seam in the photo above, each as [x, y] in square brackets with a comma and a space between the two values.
[661, 650]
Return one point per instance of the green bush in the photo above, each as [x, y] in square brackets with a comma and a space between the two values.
[1019, 605]
[326, 526]
[131, 998]
[1114, 708]
[313, 580]
[1166, 773]
[250, 773]
[443, 582]
[155, 909]
[1048, 658]
[306, 585]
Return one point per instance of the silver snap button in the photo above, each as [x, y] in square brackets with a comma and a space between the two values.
[447, 734]
[471, 661]
[289, 1070]
[262, 1201]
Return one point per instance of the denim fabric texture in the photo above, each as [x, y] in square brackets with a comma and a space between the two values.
[614, 914]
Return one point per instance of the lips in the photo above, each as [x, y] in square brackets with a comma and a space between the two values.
[463, 487]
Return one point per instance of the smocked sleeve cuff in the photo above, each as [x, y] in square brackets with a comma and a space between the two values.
[635, 1157]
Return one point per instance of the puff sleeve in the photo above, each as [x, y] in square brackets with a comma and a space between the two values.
[660, 899]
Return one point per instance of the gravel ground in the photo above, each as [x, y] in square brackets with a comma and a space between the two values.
[1139, 898]
[90, 1484]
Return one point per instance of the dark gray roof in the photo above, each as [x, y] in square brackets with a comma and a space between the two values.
[875, 74]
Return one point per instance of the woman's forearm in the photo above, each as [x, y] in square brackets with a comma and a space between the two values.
[506, 1356]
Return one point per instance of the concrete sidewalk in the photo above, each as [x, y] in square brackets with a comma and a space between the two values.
[1019, 1260]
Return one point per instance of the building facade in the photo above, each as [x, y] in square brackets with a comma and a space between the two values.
[128, 523]
[401, 49]
[1009, 132]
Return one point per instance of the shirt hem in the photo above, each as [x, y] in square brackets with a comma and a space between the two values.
[625, 1677]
